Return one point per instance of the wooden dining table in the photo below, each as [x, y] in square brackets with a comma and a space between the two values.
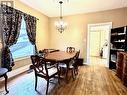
[61, 56]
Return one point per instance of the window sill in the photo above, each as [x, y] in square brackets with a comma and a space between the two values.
[21, 58]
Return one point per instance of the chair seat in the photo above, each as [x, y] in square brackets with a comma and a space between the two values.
[63, 65]
[3, 71]
[50, 71]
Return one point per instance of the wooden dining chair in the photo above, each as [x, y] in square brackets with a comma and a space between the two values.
[43, 70]
[3, 73]
[64, 70]
[76, 64]
[70, 49]
[43, 52]
[73, 65]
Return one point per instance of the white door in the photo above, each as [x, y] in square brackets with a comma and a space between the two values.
[94, 43]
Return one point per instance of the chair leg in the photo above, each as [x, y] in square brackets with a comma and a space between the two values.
[6, 77]
[60, 70]
[73, 75]
[59, 77]
[76, 71]
[36, 82]
[47, 87]
[66, 75]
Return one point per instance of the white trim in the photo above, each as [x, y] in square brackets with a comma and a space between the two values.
[88, 40]
[21, 58]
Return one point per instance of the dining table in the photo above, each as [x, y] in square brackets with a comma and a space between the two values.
[61, 56]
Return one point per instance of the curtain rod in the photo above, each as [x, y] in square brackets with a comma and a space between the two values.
[28, 14]
[19, 11]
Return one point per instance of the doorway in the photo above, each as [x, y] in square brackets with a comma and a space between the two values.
[98, 39]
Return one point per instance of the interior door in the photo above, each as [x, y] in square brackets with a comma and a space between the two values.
[94, 43]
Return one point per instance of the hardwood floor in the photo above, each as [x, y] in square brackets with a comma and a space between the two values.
[91, 80]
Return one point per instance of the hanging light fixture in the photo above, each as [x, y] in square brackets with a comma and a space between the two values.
[60, 25]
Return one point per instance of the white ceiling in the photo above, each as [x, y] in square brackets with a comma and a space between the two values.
[51, 8]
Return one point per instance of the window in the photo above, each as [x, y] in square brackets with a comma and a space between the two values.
[23, 47]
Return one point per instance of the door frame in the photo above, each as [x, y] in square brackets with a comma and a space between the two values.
[88, 40]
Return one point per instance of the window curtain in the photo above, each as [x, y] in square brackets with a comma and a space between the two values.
[11, 23]
[31, 29]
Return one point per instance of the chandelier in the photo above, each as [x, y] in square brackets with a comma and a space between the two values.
[60, 25]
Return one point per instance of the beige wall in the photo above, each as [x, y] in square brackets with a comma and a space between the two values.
[76, 32]
[42, 32]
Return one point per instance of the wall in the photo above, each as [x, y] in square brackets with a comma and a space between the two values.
[42, 32]
[76, 32]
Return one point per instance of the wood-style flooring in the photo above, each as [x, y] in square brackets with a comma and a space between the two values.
[91, 80]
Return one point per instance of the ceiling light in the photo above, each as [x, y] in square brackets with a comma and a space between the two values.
[60, 24]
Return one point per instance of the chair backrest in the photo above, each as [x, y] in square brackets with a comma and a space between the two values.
[77, 54]
[76, 58]
[39, 65]
[70, 49]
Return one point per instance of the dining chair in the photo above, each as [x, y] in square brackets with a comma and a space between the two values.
[73, 65]
[70, 49]
[43, 52]
[76, 64]
[3, 73]
[43, 70]
[65, 70]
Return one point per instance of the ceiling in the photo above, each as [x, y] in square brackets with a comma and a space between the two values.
[51, 8]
